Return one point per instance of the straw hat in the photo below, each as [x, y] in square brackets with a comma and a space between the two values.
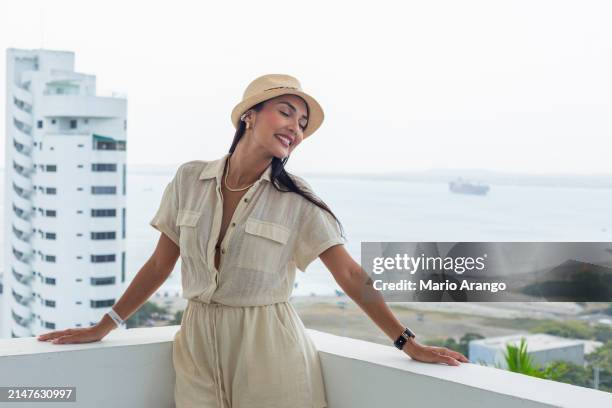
[269, 86]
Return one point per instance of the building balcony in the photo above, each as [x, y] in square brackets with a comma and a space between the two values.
[87, 106]
[136, 366]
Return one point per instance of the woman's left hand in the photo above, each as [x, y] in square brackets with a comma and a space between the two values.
[433, 354]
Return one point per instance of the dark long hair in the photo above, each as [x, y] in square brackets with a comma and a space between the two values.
[281, 179]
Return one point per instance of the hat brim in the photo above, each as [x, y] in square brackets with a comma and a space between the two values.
[315, 111]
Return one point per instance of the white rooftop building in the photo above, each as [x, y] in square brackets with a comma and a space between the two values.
[65, 195]
[544, 348]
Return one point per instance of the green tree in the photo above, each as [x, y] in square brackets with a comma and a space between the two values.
[462, 346]
[602, 358]
[178, 317]
[572, 329]
[142, 315]
[571, 373]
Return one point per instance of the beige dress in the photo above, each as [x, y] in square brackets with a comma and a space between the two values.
[241, 343]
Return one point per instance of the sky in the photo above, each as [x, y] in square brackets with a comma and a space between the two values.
[519, 86]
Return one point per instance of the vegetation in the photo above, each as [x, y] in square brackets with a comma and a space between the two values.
[451, 343]
[602, 358]
[178, 316]
[145, 315]
[518, 360]
[575, 329]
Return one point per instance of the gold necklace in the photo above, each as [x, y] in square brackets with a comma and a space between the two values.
[228, 187]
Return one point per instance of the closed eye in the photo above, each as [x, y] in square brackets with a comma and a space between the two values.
[286, 114]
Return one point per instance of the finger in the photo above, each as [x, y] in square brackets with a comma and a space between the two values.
[440, 356]
[63, 339]
[430, 356]
[457, 356]
[72, 339]
[450, 353]
[449, 360]
[52, 335]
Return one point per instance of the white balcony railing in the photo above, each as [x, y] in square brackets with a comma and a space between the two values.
[133, 368]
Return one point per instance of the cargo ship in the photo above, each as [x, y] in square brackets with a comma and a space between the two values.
[461, 186]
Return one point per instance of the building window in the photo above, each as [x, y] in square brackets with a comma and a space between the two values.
[53, 121]
[96, 304]
[51, 190]
[49, 325]
[49, 303]
[50, 213]
[103, 190]
[104, 212]
[50, 281]
[109, 144]
[50, 235]
[51, 168]
[103, 235]
[73, 124]
[39, 124]
[102, 258]
[50, 258]
[103, 281]
[111, 167]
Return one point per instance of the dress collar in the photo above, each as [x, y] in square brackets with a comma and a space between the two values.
[214, 169]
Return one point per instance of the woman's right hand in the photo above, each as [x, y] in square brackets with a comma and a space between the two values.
[80, 335]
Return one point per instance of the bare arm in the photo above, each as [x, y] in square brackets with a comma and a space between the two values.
[148, 279]
[358, 286]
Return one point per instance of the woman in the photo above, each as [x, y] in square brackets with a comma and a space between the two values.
[242, 225]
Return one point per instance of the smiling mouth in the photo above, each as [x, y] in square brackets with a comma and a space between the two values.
[284, 140]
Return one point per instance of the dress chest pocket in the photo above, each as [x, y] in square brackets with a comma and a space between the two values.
[262, 245]
[187, 221]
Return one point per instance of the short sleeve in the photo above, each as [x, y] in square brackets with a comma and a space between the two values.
[317, 232]
[165, 218]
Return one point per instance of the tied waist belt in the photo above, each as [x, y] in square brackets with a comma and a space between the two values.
[196, 302]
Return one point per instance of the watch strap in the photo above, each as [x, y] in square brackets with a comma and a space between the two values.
[403, 338]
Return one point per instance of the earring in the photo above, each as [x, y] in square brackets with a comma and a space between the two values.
[243, 118]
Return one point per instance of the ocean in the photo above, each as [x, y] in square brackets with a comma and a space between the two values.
[393, 210]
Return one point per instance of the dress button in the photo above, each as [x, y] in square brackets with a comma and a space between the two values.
[246, 200]
[222, 250]
[233, 224]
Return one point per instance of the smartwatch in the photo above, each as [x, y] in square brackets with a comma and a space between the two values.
[403, 338]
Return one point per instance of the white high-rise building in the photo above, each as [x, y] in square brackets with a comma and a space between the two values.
[65, 196]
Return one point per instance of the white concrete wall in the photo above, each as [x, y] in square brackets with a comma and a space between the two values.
[133, 368]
